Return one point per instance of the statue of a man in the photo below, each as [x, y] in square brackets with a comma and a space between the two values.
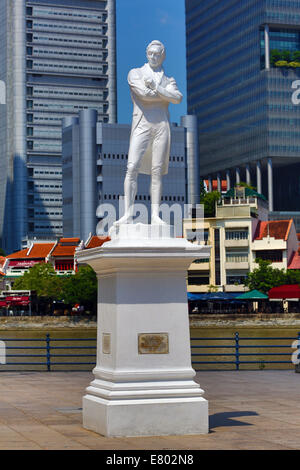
[149, 149]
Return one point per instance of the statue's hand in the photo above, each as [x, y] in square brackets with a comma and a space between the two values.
[150, 83]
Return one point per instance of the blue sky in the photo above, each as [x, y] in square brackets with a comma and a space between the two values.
[138, 23]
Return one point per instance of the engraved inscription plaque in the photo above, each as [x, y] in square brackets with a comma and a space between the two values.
[153, 343]
[106, 343]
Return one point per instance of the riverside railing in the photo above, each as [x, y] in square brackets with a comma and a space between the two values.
[49, 354]
[238, 350]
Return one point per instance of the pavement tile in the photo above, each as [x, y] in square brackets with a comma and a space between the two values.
[26, 445]
[105, 443]
[248, 410]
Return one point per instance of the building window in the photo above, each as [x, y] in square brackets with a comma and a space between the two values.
[217, 257]
[198, 278]
[64, 265]
[235, 279]
[275, 256]
[236, 257]
[236, 234]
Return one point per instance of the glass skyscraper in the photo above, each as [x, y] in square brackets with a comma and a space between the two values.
[243, 72]
[56, 58]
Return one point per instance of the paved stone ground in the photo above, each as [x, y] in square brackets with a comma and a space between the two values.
[248, 410]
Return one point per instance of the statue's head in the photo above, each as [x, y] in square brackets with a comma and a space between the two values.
[155, 54]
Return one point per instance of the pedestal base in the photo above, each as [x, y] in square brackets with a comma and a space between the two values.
[151, 417]
[143, 379]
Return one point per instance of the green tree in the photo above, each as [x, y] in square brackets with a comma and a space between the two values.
[81, 288]
[202, 189]
[286, 55]
[292, 276]
[282, 63]
[245, 185]
[275, 56]
[294, 65]
[296, 56]
[2, 252]
[212, 288]
[43, 279]
[264, 277]
[209, 201]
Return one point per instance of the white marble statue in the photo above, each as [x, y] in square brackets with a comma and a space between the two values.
[149, 149]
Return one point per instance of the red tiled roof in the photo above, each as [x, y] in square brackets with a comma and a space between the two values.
[41, 250]
[38, 251]
[278, 229]
[18, 254]
[74, 240]
[215, 185]
[66, 247]
[63, 251]
[295, 262]
[97, 241]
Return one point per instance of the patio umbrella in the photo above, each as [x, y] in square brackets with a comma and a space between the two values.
[253, 295]
[286, 292]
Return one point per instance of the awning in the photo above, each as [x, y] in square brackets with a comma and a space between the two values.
[27, 263]
[252, 295]
[286, 292]
[16, 300]
[213, 296]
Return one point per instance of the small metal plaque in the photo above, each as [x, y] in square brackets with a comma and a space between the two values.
[106, 349]
[153, 343]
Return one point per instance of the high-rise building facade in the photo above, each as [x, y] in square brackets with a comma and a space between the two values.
[243, 67]
[56, 58]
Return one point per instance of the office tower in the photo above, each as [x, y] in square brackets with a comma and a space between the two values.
[243, 64]
[94, 160]
[56, 58]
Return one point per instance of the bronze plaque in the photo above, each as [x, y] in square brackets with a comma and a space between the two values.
[106, 343]
[153, 343]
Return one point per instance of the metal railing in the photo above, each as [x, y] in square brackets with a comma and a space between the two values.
[50, 353]
[238, 346]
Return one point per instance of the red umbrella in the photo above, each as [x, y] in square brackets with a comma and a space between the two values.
[286, 292]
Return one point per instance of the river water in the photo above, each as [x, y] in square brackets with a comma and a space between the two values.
[30, 346]
[254, 350]
[16, 340]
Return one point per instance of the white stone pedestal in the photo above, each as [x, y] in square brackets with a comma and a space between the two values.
[143, 378]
